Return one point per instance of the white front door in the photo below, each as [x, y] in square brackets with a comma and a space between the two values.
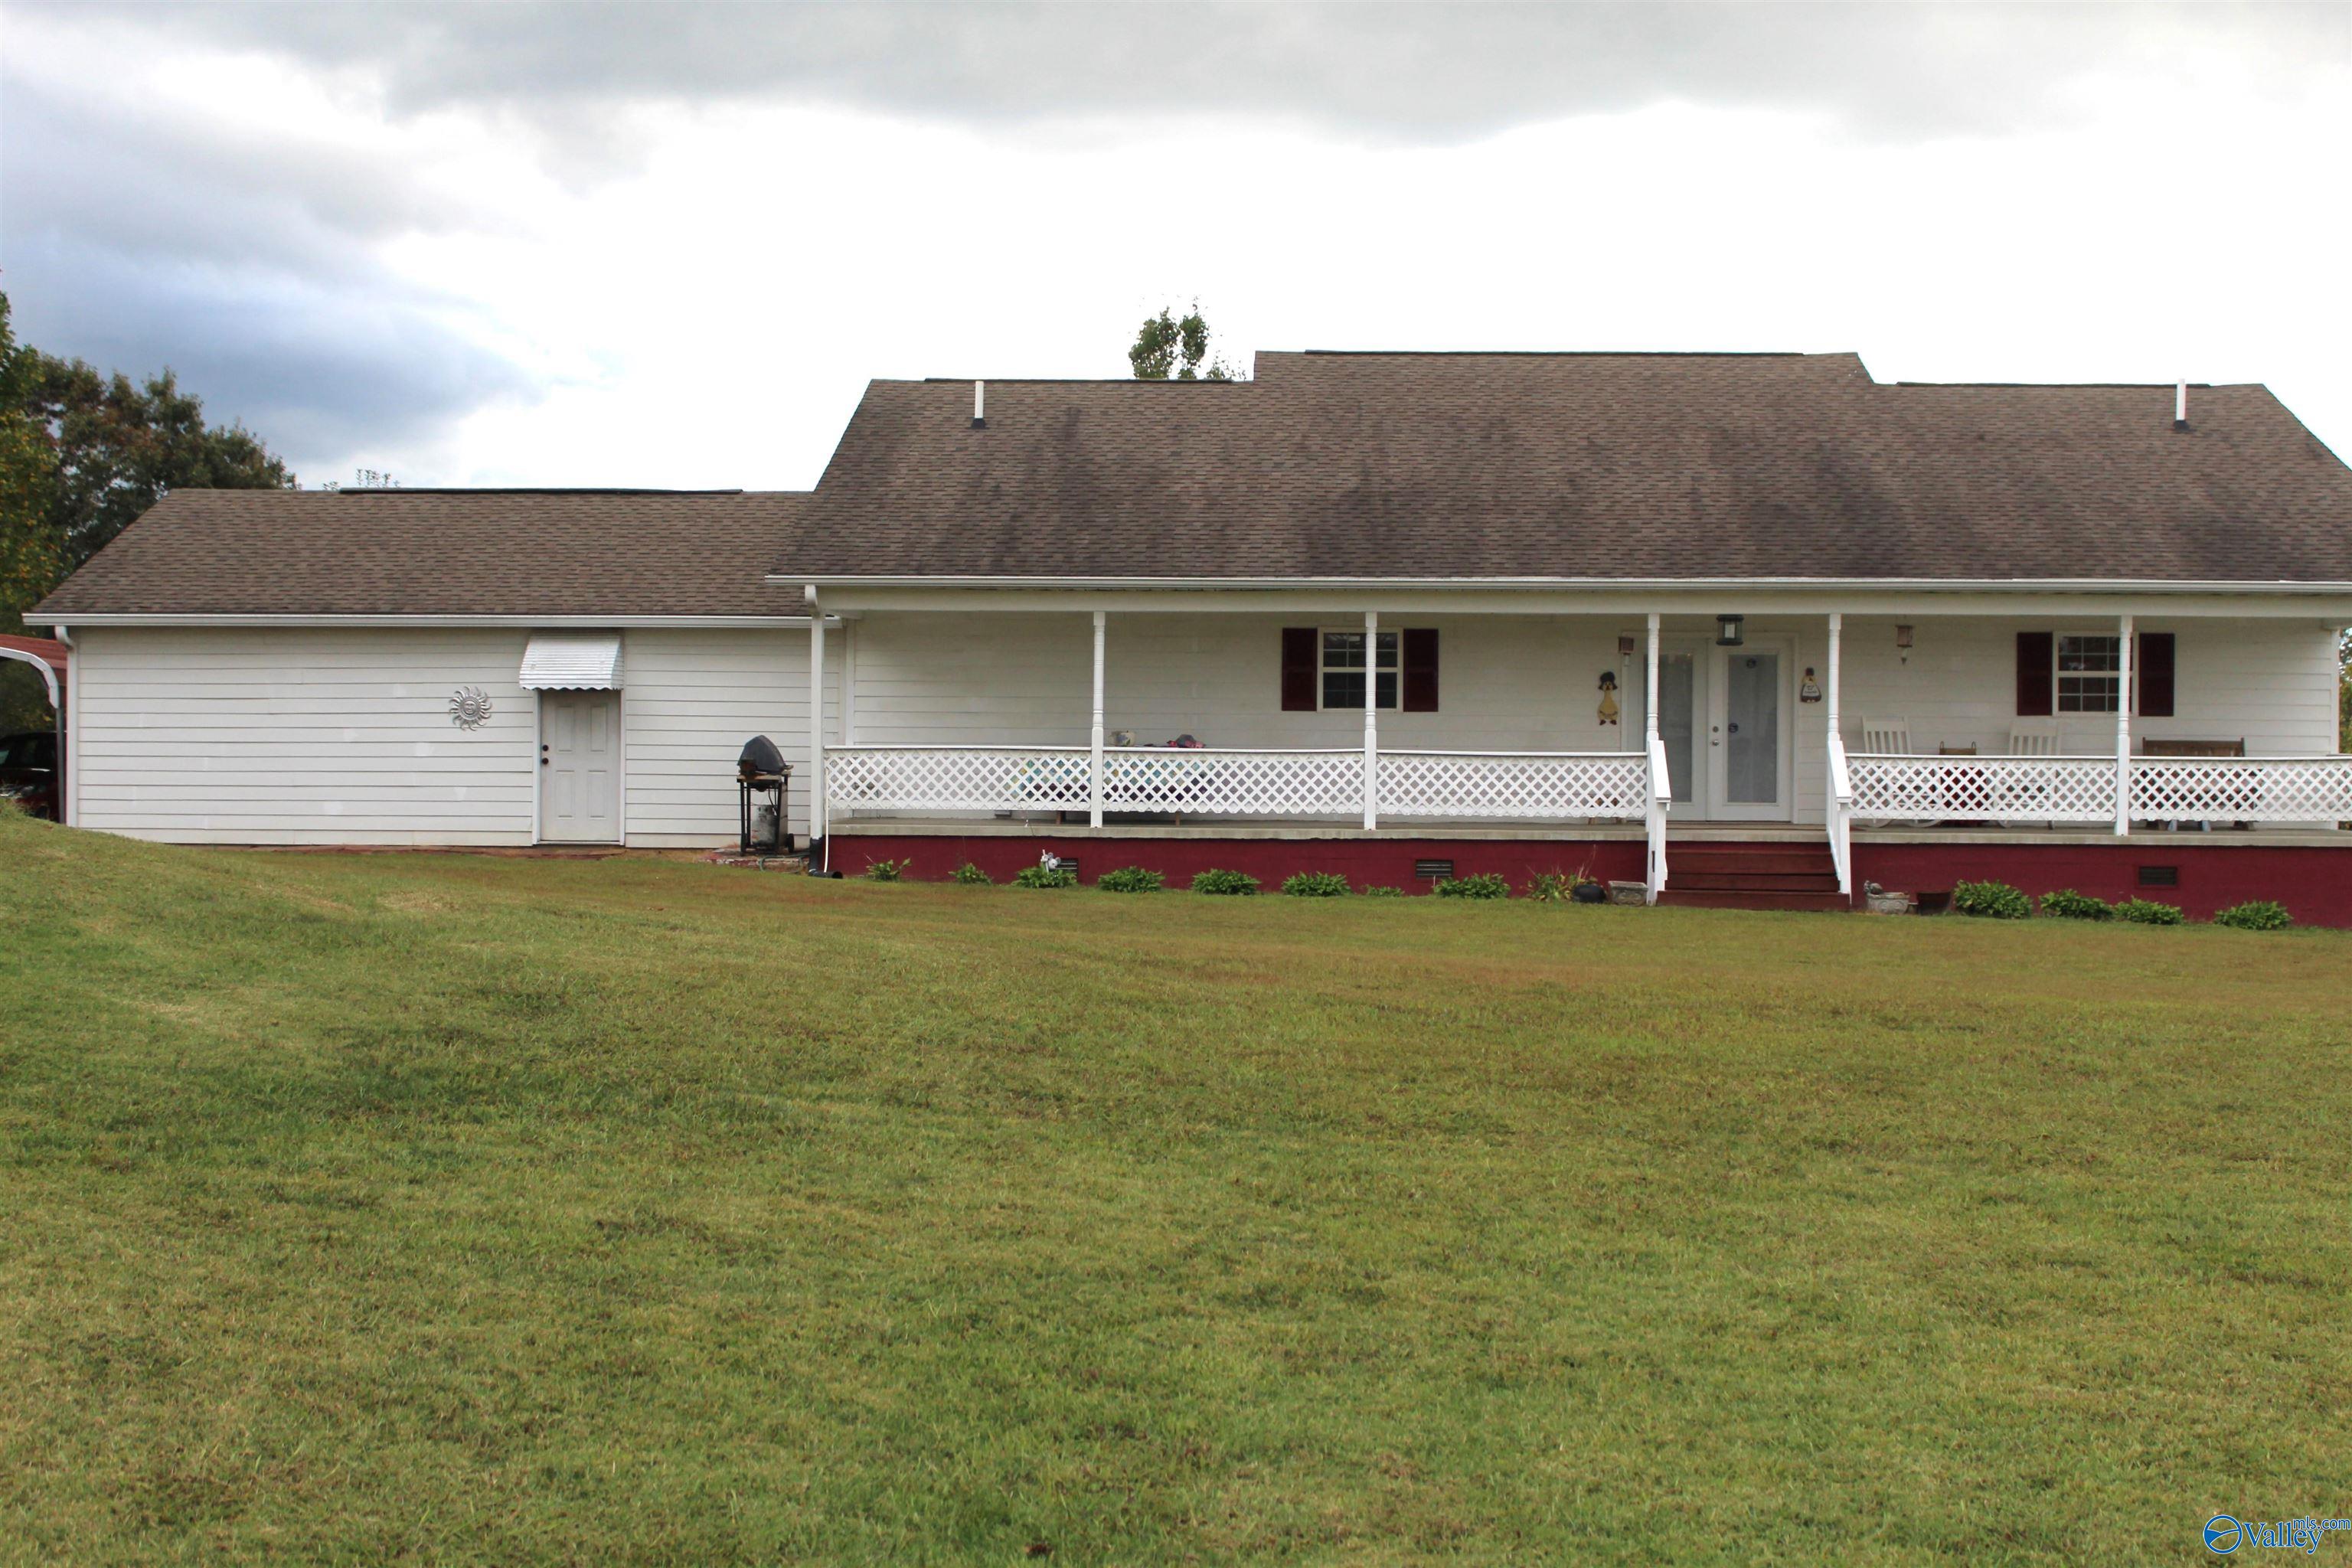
[1749, 731]
[579, 767]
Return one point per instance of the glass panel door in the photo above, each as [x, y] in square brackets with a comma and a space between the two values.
[1748, 732]
[1751, 731]
[1678, 721]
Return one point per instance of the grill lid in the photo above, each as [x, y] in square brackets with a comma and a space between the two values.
[760, 759]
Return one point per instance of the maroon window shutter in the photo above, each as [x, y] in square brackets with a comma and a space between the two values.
[1299, 670]
[2036, 693]
[1420, 656]
[2154, 663]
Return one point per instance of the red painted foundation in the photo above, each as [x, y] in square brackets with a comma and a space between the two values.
[2314, 883]
[1363, 861]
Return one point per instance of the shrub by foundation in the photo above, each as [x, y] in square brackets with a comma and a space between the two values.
[1991, 902]
[2066, 904]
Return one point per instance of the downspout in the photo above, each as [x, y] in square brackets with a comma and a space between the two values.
[68, 776]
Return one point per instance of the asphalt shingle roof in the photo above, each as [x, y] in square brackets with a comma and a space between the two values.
[1351, 466]
[422, 552]
[1576, 466]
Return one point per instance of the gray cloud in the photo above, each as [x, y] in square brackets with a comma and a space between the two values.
[318, 368]
[138, 237]
[136, 234]
[1401, 72]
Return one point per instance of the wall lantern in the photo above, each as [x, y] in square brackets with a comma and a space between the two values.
[1903, 642]
[1624, 645]
[1730, 631]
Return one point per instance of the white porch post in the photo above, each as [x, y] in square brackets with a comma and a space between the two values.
[1372, 715]
[1841, 789]
[1837, 635]
[849, 683]
[2123, 727]
[1654, 753]
[1095, 763]
[1650, 689]
[816, 816]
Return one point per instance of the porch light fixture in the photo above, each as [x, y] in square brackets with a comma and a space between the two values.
[1624, 645]
[1903, 642]
[1730, 631]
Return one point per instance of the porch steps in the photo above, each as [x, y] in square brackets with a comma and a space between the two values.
[1732, 875]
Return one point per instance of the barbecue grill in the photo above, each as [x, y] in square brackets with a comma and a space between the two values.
[761, 771]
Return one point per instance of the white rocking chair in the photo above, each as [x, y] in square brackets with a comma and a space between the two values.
[1883, 737]
[1886, 738]
[2029, 740]
[2034, 740]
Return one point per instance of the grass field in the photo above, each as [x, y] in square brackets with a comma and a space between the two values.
[448, 1208]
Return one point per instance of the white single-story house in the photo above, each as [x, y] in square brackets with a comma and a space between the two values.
[1743, 628]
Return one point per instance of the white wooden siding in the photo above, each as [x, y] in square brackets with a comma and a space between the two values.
[326, 736]
[693, 699]
[1515, 682]
[2270, 683]
[1525, 682]
[231, 736]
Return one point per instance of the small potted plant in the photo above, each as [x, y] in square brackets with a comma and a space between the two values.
[1588, 889]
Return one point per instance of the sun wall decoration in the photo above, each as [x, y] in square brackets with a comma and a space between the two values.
[469, 707]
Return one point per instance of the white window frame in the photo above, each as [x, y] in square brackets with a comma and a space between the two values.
[2060, 674]
[1372, 671]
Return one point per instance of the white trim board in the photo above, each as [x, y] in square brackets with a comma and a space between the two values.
[1618, 600]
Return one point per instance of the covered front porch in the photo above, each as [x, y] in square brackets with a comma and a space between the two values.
[1594, 723]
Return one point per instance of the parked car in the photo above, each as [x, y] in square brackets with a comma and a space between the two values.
[28, 771]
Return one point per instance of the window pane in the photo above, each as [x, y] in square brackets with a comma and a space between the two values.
[2086, 693]
[1388, 688]
[1343, 651]
[1342, 689]
[2089, 654]
[1387, 650]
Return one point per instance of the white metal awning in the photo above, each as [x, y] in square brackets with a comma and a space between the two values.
[572, 660]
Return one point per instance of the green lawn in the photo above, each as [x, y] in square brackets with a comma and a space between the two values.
[457, 1208]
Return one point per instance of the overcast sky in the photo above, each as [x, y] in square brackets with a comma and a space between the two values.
[668, 246]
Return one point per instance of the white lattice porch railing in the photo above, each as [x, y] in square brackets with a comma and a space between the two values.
[1519, 786]
[1982, 789]
[1222, 782]
[956, 778]
[2241, 789]
[1524, 786]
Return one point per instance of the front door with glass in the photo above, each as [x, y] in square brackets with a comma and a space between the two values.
[1747, 734]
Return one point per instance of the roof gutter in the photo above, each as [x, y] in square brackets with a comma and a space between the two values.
[1596, 585]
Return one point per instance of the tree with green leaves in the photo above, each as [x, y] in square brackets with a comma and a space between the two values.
[123, 446]
[82, 455]
[1169, 349]
[32, 544]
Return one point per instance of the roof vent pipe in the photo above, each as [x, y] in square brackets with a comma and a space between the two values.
[2179, 407]
[980, 406]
